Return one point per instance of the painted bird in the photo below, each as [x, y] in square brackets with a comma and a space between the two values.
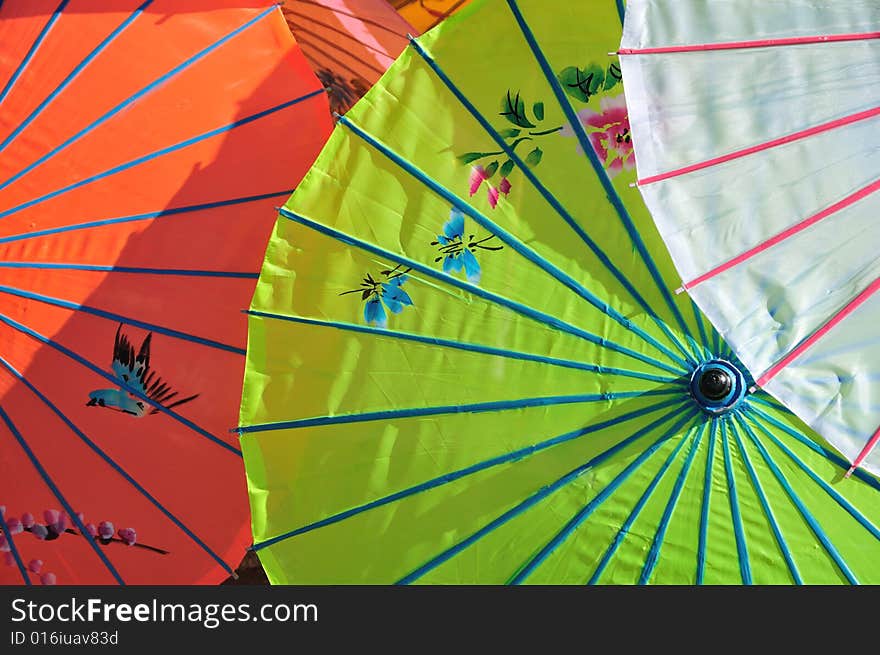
[134, 372]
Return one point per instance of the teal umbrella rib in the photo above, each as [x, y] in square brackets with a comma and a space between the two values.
[763, 398]
[557, 206]
[473, 408]
[44, 474]
[827, 488]
[832, 457]
[512, 242]
[621, 534]
[164, 213]
[137, 96]
[610, 191]
[663, 527]
[637, 444]
[105, 268]
[117, 318]
[577, 520]
[703, 538]
[817, 529]
[115, 465]
[448, 478]
[716, 342]
[114, 380]
[467, 347]
[768, 510]
[701, 327]
[735, 515]
[158, 153]
[536, 497]
[32, 51]
[73, 74]
[497, 299]
[728, 351]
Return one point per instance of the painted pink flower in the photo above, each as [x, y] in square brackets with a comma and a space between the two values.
[478, 176]
[504, 186]
[609, 134]
[128, 536]
[492, 193]
[60, 525]
[105, 530]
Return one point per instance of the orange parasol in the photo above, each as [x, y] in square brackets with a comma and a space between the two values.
[143, 145]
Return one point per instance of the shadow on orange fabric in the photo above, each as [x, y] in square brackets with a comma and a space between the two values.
[349, 43]
[136, 200]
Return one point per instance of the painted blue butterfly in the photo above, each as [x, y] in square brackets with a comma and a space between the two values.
[457, 255]
[378, 295]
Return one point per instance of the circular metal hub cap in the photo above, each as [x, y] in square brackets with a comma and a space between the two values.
[718, 386]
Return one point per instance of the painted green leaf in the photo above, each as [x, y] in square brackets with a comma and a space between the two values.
[516, 143]
[534, 157]
[491, 169]
[613, 77]
[510, 133]
[506, 168]
[470, 157]
[538, 110]
[581, 84]
[514, 110]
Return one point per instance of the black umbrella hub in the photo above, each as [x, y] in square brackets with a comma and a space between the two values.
[718, 386]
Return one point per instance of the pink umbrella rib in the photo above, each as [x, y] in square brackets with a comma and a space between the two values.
[807, 343]
[784, 235]
[761, 43]
[810, 341]
[789, 138]
[857, 462]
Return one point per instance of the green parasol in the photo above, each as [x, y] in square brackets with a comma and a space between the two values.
[467, 363]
